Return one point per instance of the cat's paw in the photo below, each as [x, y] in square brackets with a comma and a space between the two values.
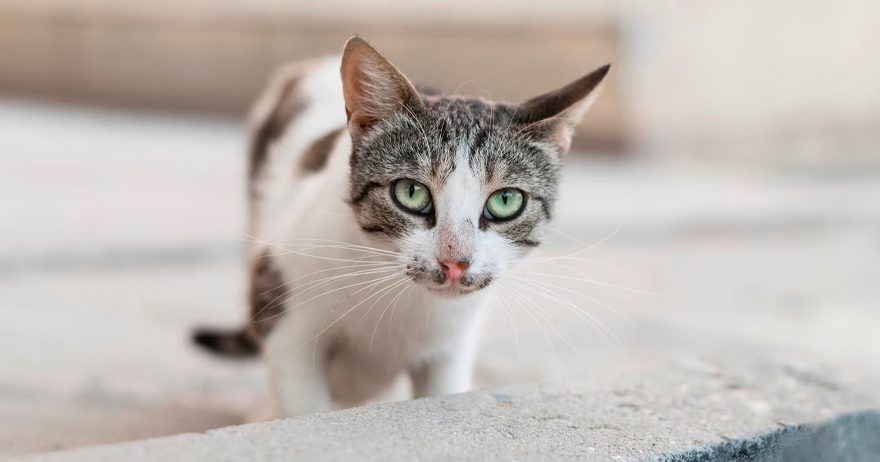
[264, 412]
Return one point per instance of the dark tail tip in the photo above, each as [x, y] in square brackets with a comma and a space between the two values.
[229, 344]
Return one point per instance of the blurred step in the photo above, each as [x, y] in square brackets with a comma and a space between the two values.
[216, 56]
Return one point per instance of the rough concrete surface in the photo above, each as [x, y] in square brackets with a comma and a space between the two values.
[120, 231]
[684, 412]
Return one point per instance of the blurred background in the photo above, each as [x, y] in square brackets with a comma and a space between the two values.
[722, 199]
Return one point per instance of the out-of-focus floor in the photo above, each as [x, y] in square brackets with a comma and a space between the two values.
[119, 231]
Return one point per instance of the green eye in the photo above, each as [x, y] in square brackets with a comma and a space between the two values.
[412, 196]
[504, 204]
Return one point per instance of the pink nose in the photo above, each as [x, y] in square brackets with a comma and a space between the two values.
[454, 269]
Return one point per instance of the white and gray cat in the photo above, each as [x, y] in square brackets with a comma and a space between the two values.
[380, 217]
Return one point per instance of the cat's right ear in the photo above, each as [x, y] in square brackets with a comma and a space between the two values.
[373, 87]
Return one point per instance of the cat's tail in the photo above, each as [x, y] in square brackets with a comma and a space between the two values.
[235, 344]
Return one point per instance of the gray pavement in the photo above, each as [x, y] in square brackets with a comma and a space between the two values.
[693, 411]
[119, 231]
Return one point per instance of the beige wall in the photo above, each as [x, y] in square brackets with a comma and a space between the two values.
[217, 58]
[783, 82]
[791, 82]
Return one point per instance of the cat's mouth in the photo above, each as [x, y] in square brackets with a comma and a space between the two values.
[451, 290]
[438, 283]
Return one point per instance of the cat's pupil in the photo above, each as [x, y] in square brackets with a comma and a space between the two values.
[504, 197]
[412, 190]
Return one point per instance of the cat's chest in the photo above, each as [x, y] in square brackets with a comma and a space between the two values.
[411, 328]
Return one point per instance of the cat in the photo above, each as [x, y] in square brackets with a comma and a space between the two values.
[380, 215]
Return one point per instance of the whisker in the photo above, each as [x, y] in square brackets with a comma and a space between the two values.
[371, 291]
[346, 313]
[370, 309]
[587, 280]
[346, 245]
[555, 258]
[351, 295]
[364, 255]
[605, 289]
[567, 236]
[391, 318]
[600, 241]
[540, 327]
[378, 280]
[543, 315]
[382, 315]
[515, 110]
[302, 251]
[576, 241]
[312, 285]
[509, 318]
[460, 87]
[581, 294]
[335, 268]
[600, 326]
[291, 251]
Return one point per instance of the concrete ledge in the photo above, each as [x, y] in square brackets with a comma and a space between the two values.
[851, 437]
[695, 411]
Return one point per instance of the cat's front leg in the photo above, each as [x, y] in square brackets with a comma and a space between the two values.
[449, 373]
[451, 370]
[299, 385]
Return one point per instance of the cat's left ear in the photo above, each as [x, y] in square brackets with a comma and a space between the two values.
[373, 87]
[556, 114]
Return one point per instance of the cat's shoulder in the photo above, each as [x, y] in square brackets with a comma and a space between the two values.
[306, 94]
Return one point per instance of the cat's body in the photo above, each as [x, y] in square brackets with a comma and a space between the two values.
[374, 245]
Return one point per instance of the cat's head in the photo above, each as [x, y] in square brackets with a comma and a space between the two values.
[461, 187]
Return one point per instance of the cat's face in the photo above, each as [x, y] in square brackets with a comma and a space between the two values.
[457, 191]
[461, 187]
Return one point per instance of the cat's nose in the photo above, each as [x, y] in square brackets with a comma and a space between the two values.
[454, 269]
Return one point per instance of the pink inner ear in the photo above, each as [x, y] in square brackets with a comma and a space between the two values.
[352, 87]
[372, 86]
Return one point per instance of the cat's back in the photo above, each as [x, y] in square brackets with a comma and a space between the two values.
[297, 129]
